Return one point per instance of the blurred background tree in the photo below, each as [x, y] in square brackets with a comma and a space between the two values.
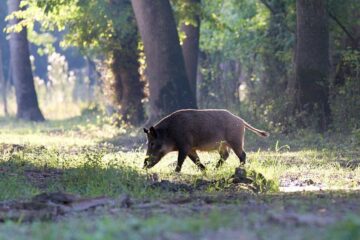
[260, 59]
[20, 69]
[168, 83]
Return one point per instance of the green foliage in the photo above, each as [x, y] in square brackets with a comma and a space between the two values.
[93, 26]
[346, 97]
[247, 21]
[344, 12]
[186, 11]
[259, 46]
[75, 155]
[101, 25]
[247, 44]
[259, 36]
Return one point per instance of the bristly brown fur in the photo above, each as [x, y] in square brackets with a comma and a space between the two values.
[189, 130]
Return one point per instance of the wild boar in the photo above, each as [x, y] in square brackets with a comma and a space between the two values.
[189, 130]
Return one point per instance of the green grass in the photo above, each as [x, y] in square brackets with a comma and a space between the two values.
[130, 227]
[93, 171]
[86, 155]
[212, 224]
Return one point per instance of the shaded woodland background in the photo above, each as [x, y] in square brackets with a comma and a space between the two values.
[286, 64]
[80, 78]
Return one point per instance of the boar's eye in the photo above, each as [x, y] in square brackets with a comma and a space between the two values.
[152, 144]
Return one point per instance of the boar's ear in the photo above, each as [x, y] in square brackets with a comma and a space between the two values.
[146, 131]
[153, 132]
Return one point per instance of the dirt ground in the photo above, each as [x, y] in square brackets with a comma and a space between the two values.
[254, 215]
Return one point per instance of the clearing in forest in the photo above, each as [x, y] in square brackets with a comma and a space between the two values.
[79, 178]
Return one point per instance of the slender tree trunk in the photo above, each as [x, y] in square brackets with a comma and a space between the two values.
[190, 48]
[229, 81]
[168, 84]
[3, 84]
[312, 61]
[27, 104]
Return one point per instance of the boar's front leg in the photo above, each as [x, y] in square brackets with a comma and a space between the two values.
[195, 158]
[181, 159]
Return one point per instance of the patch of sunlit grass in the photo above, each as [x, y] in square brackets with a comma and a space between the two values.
[77, 146]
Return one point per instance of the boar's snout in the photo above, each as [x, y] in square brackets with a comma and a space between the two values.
[149, 162]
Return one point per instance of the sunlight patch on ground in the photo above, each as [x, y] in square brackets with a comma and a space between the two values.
[43, 139]
[314, 188]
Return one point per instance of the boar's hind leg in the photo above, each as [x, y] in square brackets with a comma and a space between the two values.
[241, 155]
[238, 149]
[195, 158]
[224, 154]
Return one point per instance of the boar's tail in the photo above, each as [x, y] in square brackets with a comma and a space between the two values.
[261, 133]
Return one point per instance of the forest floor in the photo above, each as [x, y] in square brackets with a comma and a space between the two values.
[81, 178]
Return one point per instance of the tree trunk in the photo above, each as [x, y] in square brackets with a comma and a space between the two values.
[312, 62]
[168, 84]
[3, 84]
[27, 104]
[190, 48]
[128, 88]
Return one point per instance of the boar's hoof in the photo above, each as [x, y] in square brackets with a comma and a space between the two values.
[202, 168]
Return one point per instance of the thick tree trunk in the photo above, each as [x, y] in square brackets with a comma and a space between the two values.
[168, 84]
[27, 104]
[312, 61]
[3, 84]
[128, 87]
[190, 48]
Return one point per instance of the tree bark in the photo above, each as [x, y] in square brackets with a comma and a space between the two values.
[168, 84]
[312, 62]
[128, 88]
[190, 49]
[230, 83]
[27, 103]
